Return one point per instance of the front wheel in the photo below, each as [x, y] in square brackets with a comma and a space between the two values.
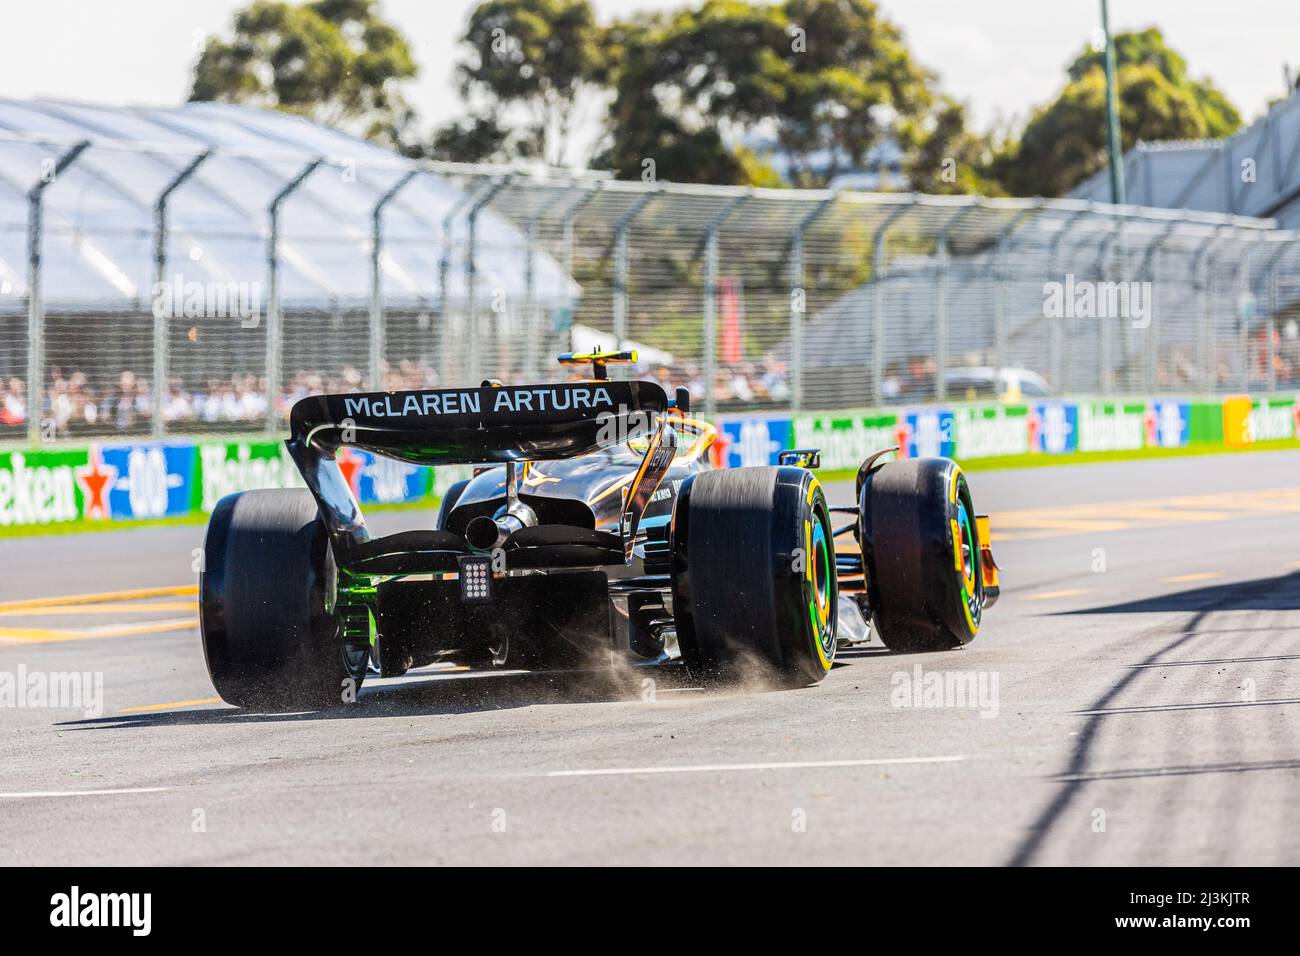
[754, 573]
[271, 636]
[921, 552]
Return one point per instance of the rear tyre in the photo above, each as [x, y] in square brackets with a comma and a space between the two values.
[921, 553]
[754, 574]
[267, 605]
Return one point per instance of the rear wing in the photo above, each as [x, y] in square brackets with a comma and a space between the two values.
[484, 424]
[491, 423]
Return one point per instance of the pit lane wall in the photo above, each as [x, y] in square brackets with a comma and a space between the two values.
[128, 482]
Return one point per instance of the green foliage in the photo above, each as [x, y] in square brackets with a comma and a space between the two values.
[1065, 141]
[945, 157]
[526, 66]
[472, 141]
[334, 61]
[1148, 48]
[827, 77]
[685, 91]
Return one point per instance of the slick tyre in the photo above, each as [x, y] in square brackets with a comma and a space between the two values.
[921, 553]
[267, 605]
[754, 574]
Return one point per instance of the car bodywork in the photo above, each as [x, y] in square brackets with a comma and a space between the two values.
[564, 530]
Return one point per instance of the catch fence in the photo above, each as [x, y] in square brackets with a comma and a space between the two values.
[146, 290]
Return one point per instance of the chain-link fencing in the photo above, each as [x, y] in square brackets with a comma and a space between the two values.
[149, 290]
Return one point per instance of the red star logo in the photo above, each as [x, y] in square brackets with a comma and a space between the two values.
[718, 452]
[1035, 426]
[902, 436]
[350, 464]
[96, 479]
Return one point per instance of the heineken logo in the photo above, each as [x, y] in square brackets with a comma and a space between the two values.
[35, 493]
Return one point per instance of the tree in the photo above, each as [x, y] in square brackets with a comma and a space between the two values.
[477, 140]
[945, 157]
[1148, 48]
[334, 61]
[1064, 142]
[530, 68]
[823, 79]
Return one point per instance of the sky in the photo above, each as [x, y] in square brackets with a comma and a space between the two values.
[1001, 57]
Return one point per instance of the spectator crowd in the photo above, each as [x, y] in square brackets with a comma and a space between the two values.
[76, 404]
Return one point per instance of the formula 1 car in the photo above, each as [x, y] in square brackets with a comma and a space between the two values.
[593, 528]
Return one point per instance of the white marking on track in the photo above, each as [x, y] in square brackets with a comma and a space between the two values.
[726, 767]
[36, 794]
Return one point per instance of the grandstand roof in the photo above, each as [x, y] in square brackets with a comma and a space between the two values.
[99, 215]
[1254, 173]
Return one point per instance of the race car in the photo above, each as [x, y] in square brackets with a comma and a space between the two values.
[594, 529]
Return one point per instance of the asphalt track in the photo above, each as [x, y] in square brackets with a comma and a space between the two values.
[1146, 654]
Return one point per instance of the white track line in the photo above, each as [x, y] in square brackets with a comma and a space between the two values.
[719, 767]
[35, 794]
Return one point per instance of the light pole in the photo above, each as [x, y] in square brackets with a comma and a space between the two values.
[1112, 114]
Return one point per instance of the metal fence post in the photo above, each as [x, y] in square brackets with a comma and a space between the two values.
[1152, 363]
[444, 271]
[621, 229]
[799, 298]
[567, 221]
[941, 300]
[710, 320]
[35, 296]
[1244, 290]
[378, 329]
[1104, 370]
[471, 275]
[1273, 303]
[1056, 340]
[1272, 329]
[878, 239]
[941, 318]
[274, 330]
[531, 332]
[161, 316]
[711, 302]
[569, 218]
[998, 271]
[1205, 285]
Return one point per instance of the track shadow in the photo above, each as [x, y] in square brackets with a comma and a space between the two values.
[420, 695]
[1262, 594]
[426, 694]
[1139, 773]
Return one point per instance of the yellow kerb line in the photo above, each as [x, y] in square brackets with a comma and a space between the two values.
[1194, 576]
[1048, 595]
[89, 609]
[171, 705]
[131, 594]
[39, 635]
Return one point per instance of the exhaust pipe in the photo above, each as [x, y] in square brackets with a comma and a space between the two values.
[484, 533]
